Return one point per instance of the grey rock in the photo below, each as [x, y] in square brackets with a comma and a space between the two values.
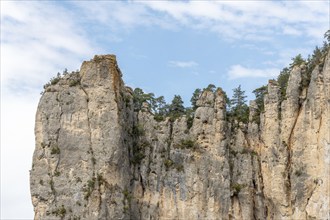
[95, 158]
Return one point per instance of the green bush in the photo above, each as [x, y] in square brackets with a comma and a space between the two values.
[89, 188]
[51, 183]
[190, 121]
[300, 171]
[55, 150]
[93, 160]
[100, 179]
[236, 187]
[127, 195]
[138, 130]
[57, 173]
[187, 144]
[159, 117]
[91, 183]
[179, 167]
[60, 212]
[74, 82]
[53, 81]
[168, 163]
[137, 158]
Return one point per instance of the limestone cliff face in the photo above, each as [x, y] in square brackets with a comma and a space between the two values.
[95, 158]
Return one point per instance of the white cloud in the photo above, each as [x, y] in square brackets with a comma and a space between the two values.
[232, 20]
[250, 20]
[183, 64]
[37, 40]
[290, 30]
[34, 38]
[286, 55]
[40, 38]
[17, 145]
[117, 16]
[238, 71]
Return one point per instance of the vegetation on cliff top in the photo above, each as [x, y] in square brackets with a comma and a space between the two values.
[237, 109]
[316, 59]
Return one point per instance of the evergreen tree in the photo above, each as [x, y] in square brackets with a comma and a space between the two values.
[238, 98]
[161, 108]
[210, 88]
[176, 108]
[139, 97]
[327, 36]
[197, 93]
[260, 94]
[190, 117]
[297, 61]
[282, 80]
[239, 110]
[227, 100]
[312, 62]
[325, 47]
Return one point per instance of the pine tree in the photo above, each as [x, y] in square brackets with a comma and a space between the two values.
[282, 80]
[210, 88]
[297, 61]
[176, 108]
[139, 97]
[239, 110]
[238, 98]
[260, 94]
[161, 108]
[327, 36]
[197, 93]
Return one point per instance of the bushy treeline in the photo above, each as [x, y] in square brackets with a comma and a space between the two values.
[54, 80]
[237, 109]
[316, 59]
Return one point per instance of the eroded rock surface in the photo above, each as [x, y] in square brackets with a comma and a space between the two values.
[95, 158]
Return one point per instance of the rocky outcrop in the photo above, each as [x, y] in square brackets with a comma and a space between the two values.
[81, 164]
[96, 158]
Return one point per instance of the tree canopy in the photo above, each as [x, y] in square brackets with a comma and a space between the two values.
[176, 108]
[197, 93]
[239, 110]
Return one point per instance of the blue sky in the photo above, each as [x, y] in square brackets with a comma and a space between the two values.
[162, 47]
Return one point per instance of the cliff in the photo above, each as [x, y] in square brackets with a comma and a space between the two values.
[97, 158]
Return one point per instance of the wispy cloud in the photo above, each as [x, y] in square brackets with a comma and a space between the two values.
[250, 20]
[232, 20]
[35, 37]
[238, 71]
[285, 56]
[183, 64]
[37, 40]
[122, 16]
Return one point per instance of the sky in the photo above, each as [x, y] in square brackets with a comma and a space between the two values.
[164, 47]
